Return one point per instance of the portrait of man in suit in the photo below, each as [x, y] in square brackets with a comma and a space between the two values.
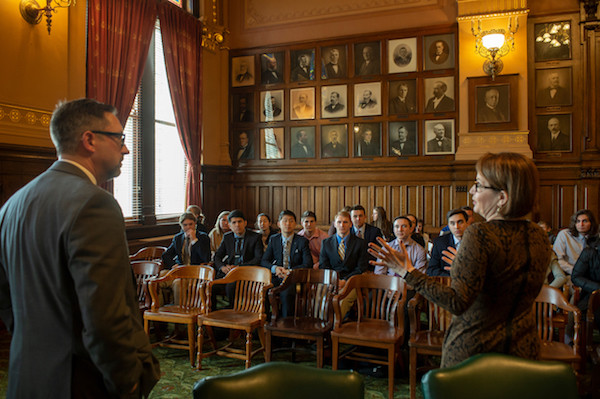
[271, 68]
[302, 103]
[334, 141]
[243, 108]
[553, 87]
[303, 142]
[553, 133]
[367, 99]
[442, 137]
[333, 101]
[492, 106]
[333, 63]
[403, 97]
[367, 56]
[441, 100]
[367, 139]
[244, 151]
[403, 140]
[304, 67]
[402, 55]
[271, 104]
[438, 52]
[242, 71]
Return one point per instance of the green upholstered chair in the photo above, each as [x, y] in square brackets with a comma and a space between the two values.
[497, 376]
[276, 380]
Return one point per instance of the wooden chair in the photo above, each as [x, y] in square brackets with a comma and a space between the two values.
[248, 312]
[380, 302]
[592, 349]
[143, 270]
[425, 339]
[549, 304]
[313, 316]
[190, 282]
[149, 253]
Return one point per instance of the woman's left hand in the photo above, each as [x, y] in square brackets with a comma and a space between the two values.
[398, 261]
[448, 256]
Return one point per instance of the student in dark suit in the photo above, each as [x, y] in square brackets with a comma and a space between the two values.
[457, 222]
[362, 229]
[63, 244]
[197, 211]
[188, 247]
[347, 259]
[286, 250]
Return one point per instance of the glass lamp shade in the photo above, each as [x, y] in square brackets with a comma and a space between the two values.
[492, 40]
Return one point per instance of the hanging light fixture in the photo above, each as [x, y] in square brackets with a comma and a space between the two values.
[493, 44]
[32, 12]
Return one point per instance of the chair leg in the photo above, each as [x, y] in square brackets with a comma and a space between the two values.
[320, 352]
[267, 346]
[200, 342]
[191, 342]
[334, 353]
[412, 372]
[391, 364]
[248, 348]
[146, 326]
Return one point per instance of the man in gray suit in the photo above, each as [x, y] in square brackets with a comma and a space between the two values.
[67, 292]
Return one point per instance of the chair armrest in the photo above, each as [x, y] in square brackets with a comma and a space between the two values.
[153, 289]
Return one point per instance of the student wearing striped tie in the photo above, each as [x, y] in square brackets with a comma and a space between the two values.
[345, 253]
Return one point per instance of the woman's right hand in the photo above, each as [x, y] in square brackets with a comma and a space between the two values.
[398, 261]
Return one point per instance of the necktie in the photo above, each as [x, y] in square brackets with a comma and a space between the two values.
[286, 254]
[186, 251]
[238, 251]
[342, 250]
[359, 234]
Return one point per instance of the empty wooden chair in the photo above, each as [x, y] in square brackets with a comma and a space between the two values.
[313, 315]
[191, 300]
[248, 312]
[550, 304]
[426, 338]
[143, 270]
[380, 324]
[149, 253]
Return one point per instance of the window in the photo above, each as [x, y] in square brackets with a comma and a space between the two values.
[152, 133]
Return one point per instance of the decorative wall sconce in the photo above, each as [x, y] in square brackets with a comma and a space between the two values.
[213, 34]
[493, 44]
[32, 12]
[556, 34]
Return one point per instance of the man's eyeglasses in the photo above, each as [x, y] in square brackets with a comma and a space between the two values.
[480, 187]
[121, 136]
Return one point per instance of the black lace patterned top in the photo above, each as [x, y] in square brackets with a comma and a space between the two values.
[487, 283]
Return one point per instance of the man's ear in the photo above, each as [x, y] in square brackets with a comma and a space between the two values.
[88, 141]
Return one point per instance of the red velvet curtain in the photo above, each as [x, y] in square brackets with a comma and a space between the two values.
[119, 35]
[182, 39]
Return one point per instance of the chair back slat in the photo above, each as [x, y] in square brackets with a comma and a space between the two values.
[148, 253]
[250, 283]
[314, 290]
[378, 297]
[142, 271]
[191, 282]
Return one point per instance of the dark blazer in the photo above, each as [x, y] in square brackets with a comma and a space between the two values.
[338, 151]
[371, 68]
[445, 105]
[299, 253]
[562, 142]
[334, 107]
[331, 74]
[486, 114]
[267, 77]
[355, 261]
[371, 233]
[252, 250]
[436, 264]
[400, 107]
[561, 97]
[586, 275]
[248, 152]
[298, 151]
[432, 145]
[298, 74]
[245, 116]
[409, 148]
[67, 292]
[372, 148]
[200, 252]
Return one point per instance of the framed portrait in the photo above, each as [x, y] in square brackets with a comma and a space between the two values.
[438, 52]
[334, 141]
[493, 104]
[554, 133]
[367, 140]
[334, 101]
[403, 138]
[553, 87]
[402, 55]
[402, 97]
[242, 108]
[302, 66]
[271, 68]
[302, 103]
[271, 143]
[334, 62]
[552, 41]
[302, 139]
[439, 94]
[242, 71]
[367, 99]
[439, 137]
[243, 145]
[367, 59]
[271, 105]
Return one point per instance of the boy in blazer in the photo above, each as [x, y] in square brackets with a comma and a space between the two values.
[189, 247]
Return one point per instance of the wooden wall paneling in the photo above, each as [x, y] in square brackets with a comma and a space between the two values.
[381, 198]
[278, 200]
[320, 208]
[395, 201]
[364, 197]
[411, 199]
[292, 200]
[446, 203]
[427, 205]
[335, 202]
[547, 203]
[264, 200]
[567, 203]
[590, 196]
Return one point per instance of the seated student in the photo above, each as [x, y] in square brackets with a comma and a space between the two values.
[188, 247]
[586, 274]
[313, 234]
[362, 229]
[286, 251]
[416, 236]
[416, 253]
[331, 230]
[216, 234]
[457, 222]
[546, 227]
[197, 211]
[345, 253]
[265, 228]
[570, 242]
[239, 247]
[471, 218]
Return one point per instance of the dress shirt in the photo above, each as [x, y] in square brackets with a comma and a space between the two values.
[362, 231]
[83, 169]
[314, 243]
[568, 249]
[416, 253]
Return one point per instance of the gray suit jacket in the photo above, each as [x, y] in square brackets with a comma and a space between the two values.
[67, 292]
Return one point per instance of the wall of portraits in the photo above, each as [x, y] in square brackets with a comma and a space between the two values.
[380, 98]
